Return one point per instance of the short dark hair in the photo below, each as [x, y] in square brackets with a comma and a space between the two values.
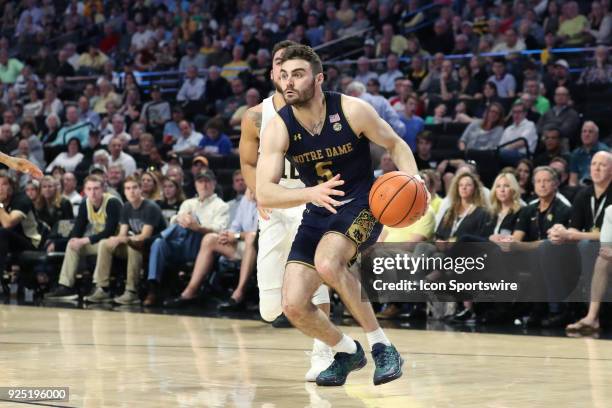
[425, 135]
[305, 53]
[282, 45]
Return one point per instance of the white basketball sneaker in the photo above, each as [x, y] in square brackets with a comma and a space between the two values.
[321, 357]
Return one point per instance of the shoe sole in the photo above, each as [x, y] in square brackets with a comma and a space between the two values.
[391, 377]
[359, 367]
[97, 301]
[67, 297]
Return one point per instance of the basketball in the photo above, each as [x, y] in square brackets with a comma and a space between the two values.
[398, 199]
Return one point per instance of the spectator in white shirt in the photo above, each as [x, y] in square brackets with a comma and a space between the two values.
[68, 160]
[387, 79]
[193, 88]
[69, 185]
[511, 44]
[141, 37]
[189, 140]
[520, 128]
[118, 156]
[118, 130]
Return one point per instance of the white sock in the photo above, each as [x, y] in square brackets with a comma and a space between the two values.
[346, 345]
[377, 336]
[319, 345]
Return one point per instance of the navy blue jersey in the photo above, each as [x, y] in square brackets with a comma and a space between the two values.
[336, 150]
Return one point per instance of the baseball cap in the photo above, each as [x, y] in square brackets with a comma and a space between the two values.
[562, 63]
[200, 159]
[369, 41]
[206, 174]
[155, 88]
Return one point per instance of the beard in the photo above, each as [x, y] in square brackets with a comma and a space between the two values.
[300, 98]
[277, 87]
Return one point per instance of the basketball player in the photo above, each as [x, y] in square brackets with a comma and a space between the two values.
[332, 157]
[22, 165]
[278, 227]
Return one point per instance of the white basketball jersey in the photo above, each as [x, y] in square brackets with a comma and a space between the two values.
[290, 178]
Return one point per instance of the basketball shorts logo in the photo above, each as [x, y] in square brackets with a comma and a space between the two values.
[362, 227]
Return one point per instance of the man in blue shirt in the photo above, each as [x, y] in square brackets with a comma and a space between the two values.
[414, 124]
[580, 160]
[214, 142]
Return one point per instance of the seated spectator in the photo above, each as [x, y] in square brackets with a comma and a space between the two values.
[172, 197]
[380, 104]
[10, 68]
[18, 229]
[156, 112]
[116, 130]
[188, 141]
[69, 192]
[560, 76]
[468, 212]
[533, 88]
[600, 24]
[511, 153]
[8, 142]
[72, 129]
[145, 146]
[70, 159]
[505, 82]
[106, 94]
[506, 204]
[600, 72]
[489, 93]
[364, 74]
[192, 58]
[130, 109]
[469, 86]
[217, 87]
[528, 102]
[533, 224]
[561, 116]
[403, 89]
[236, 243]
[149, 186]
[440, 115]
[86, 115]
[98, 219]
[252, 98]
[580, 159]
[239, 188]
[414, 124]
[524, 175]
[566, 192]
[113, 177]
[141, 219]
[193, 88]
[50, 206]
[92, 61]
[552, 147]
[588, 205]
[386, 165]
[511, 44]
[387, 78]
[484, 134]
[214, 142]
[422, 153]
[118, 156]
[182, 241]
[461, 114]
[171, 129]
[417, 71]
[236, 65]
[23, 151]
[573, 25]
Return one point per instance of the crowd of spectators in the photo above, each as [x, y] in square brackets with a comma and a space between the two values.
[85, 94]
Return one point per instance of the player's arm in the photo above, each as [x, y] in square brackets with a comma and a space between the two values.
[249, 144]
[270, 170]
[364, 120]
[22, 165]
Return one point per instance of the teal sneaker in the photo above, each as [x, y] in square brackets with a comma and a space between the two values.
[388, 363]
[342, 365]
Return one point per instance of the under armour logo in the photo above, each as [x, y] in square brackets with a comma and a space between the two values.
[297, 136]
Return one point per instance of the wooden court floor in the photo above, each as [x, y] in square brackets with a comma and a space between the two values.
[118, 359]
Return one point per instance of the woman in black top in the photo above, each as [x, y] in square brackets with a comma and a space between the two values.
[505, 206]
[468, 212]
[524, 170]
[172, 198]
[50, 206]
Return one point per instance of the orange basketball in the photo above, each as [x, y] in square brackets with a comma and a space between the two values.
[398, 199]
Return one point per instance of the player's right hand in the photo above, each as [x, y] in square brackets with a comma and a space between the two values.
[321, 194]
[27, 167]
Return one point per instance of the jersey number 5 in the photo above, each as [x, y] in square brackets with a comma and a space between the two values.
[323, 172]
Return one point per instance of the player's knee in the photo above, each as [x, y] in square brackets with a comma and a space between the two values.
[328, 269]
[270, 312]
[294, 309]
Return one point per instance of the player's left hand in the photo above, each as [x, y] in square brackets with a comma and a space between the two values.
[27, 167]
